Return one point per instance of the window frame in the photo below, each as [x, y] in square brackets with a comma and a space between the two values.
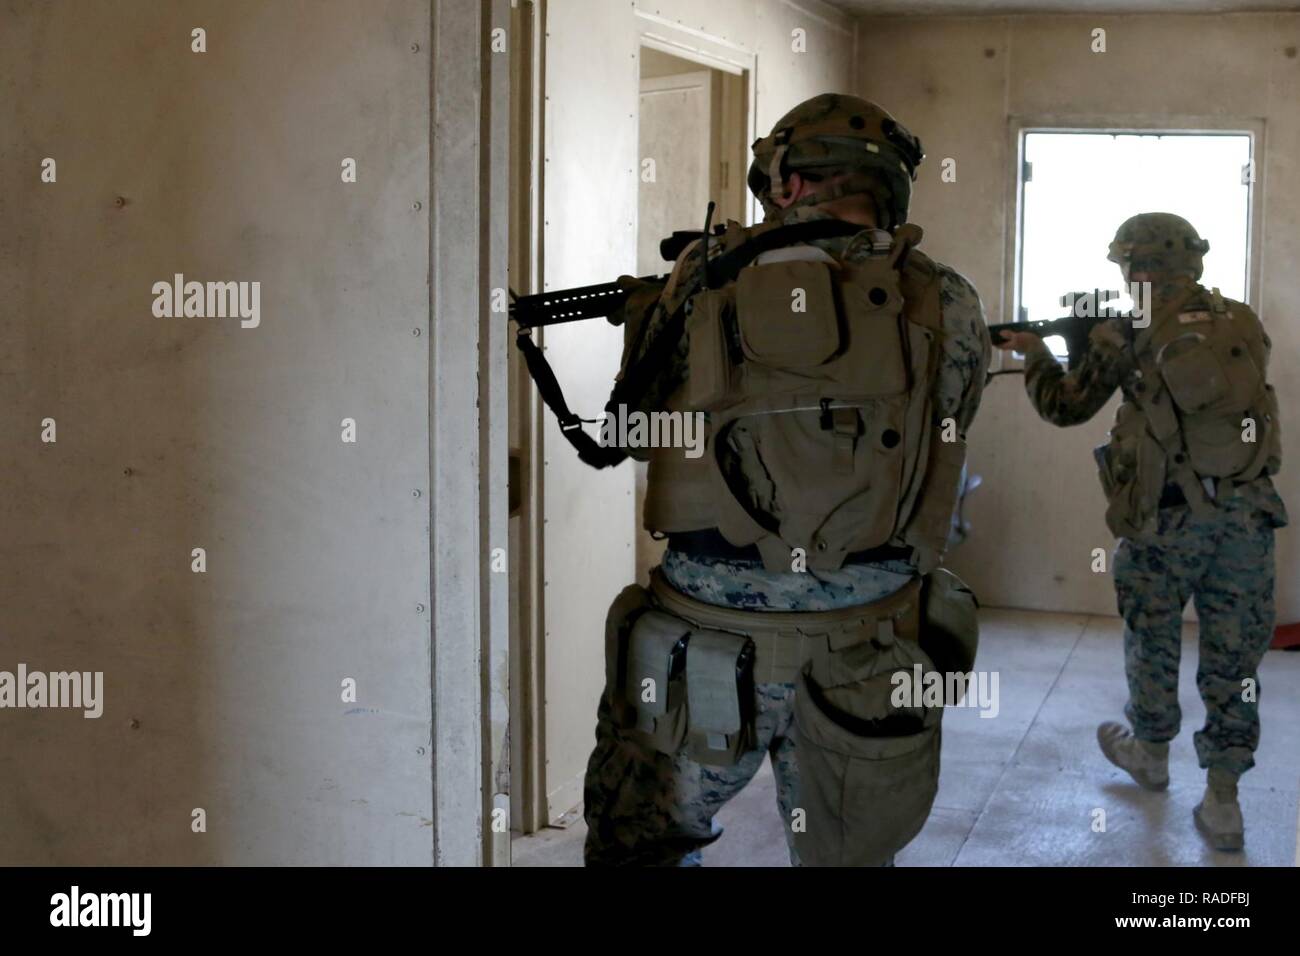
[1022, 125]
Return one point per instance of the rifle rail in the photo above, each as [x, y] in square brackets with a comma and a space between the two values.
[571, 305]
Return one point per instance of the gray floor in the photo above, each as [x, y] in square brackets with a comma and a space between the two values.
[1022, 788]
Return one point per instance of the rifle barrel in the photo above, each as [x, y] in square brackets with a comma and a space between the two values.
[571, 305]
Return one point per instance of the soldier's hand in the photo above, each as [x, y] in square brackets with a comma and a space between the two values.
[1023, 342]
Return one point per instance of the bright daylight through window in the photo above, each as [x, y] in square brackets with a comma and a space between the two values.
[1077, 187]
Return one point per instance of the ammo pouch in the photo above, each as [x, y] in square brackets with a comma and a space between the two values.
[672, 681]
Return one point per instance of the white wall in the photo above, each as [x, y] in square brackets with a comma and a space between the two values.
[590, 236]
[956, 82]
[223, 689]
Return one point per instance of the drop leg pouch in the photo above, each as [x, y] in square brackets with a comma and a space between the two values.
[869, 770]
[864, 797]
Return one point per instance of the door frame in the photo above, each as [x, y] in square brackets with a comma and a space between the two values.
[529, 788]
[527, 594]
[699, 47]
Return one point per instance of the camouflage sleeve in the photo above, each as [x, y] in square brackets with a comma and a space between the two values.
[1071, 398]
[966, 349]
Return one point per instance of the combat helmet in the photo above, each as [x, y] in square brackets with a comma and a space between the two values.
[1159, 242]
[836, 130]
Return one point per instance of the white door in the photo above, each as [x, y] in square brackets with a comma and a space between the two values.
[675, 150]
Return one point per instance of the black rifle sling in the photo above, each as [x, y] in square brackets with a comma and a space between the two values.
[641, 373]
[548, 386]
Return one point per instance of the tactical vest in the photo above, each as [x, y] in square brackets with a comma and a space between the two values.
[1198, 413]
[816, 378]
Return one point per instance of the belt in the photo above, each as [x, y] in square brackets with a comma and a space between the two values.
[710, 544]
[785, 640]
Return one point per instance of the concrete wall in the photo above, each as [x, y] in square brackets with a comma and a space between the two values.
[956, 82]
[590, 195]
[222, 689]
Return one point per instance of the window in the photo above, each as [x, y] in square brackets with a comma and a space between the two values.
[1076, 188]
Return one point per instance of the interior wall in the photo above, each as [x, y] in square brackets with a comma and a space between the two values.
[223, 689]
[590, 168]
[956, 83]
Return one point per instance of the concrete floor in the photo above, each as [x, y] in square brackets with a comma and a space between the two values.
[1021, 788]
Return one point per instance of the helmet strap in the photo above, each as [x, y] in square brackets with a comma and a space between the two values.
[853, 185]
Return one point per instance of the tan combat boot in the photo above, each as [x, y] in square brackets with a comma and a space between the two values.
[1145, 762]
[1218, 815]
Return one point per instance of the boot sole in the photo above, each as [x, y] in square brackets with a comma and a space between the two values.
[1227, 842]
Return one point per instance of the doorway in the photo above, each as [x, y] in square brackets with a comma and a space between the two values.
[692, 146]
[573, 537]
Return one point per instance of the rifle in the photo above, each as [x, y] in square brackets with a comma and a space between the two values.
[1087, 310]
[599, 301]
[602, 300]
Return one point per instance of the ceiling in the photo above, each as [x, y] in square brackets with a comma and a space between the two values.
[971, 7]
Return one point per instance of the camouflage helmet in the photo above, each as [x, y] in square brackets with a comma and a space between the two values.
[835, 130]
[1159, 242]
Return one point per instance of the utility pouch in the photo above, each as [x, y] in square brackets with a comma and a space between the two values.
[866, 795]
[1193, 373]
[788, 319]
[708, 324]
[1241, 446]
[868, 758]
[1216, 446]
[720, 696]
[950, 629]
[878, 335]
[650, 680]
[1132, 470]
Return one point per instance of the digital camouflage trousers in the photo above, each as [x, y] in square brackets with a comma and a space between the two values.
[1223, 563]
